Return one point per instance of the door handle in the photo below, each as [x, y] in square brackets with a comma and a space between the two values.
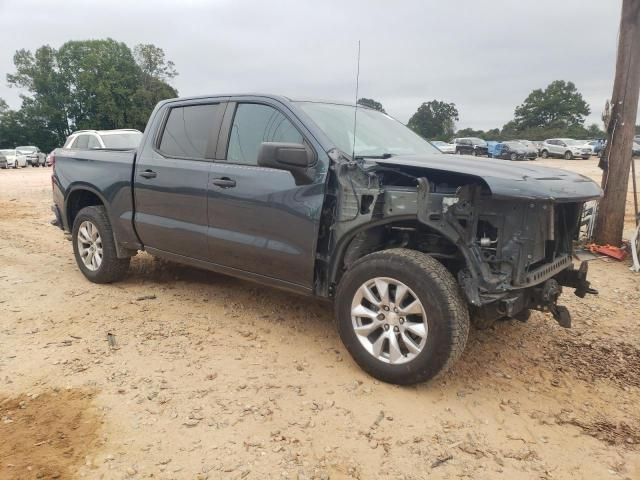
[224, 182]
[148, 174]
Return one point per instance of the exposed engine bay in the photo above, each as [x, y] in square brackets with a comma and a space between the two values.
[508, 253]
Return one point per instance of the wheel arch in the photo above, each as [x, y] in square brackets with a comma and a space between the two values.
[370, 238]
[84, 195]
[78, 197]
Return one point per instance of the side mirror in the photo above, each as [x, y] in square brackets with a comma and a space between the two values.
[296, 158]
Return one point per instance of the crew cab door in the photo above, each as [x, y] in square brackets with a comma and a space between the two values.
[260, 220]
[171, 178]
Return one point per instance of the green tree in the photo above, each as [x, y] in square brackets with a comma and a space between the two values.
[557, 106]
[434, 120]
[371, 103]
[151, 60]
[92, 84]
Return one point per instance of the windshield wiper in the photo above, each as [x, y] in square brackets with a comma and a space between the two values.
[382, 156]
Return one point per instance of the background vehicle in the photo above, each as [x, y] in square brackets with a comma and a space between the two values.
[34, 156]
[123, 139]
[566, 148]
[3, 161]
[514, 151]
[532, 146]
[444, 147]
[635, 149]
[596, 146]
[406, 243]
[471, 146]
[50, 159]
[14, 159]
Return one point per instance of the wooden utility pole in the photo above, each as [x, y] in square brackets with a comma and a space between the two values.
[616, 158]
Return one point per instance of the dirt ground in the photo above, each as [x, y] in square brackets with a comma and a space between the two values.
[207, 376]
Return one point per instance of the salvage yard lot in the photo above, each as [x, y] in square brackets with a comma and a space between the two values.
[212, 377]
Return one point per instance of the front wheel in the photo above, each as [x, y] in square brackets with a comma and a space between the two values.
[545, 154]
[401, 316]
[94, 247]
[514, 157]
[568, 155]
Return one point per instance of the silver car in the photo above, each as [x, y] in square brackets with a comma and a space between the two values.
[14, 159]
[35, 157]
[566, 148]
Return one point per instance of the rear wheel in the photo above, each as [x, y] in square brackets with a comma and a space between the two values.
[568, 155]
[94, 247]
[401, 316]
[514, 157]
[474, 153]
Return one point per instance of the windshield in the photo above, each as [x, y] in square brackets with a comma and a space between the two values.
[26, 149]
[439, 143]
[514, 144]
[8, 152]
[573, 142]
[124, 141]
[376, 133]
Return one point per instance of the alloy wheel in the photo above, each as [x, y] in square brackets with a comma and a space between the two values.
[389, 320]
[90, 245]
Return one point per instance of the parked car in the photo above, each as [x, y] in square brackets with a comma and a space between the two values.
[596, 146]
[514, 151]
[635, 150]
[444, 147]
[566, 148]
[34, 156]
[471, 146]
[533, 146]
[404, 242]
[50, 159]
[14, 158]
[122, 139]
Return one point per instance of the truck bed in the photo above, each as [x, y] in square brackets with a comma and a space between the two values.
[109, 172]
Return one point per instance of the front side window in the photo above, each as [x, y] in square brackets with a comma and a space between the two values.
[253, 124]
[189, 130]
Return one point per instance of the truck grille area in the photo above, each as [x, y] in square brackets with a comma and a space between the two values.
[525, 243]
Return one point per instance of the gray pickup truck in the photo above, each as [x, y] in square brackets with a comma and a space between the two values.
[408, 243]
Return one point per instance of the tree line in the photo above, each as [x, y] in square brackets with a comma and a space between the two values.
[559, 110]
[89, 84]
[104, 84]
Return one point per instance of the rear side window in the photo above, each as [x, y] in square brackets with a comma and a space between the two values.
[191, 131]
[93, 142]
[81, 142]
[253, 124]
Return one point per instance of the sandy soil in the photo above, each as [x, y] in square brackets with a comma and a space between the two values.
[211, 377]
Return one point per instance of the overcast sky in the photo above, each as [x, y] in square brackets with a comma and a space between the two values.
[485, 56]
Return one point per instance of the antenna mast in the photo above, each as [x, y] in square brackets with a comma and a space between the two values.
[355, 111]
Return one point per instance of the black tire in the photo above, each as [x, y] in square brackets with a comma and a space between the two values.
[568, 155]
[447, 314]
[112, 268]
[514, 157]
[474, 153]
[544, 154]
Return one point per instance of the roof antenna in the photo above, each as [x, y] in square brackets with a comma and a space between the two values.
[355, 112]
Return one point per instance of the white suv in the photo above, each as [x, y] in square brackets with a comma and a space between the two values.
[124, 139]
[566, 148]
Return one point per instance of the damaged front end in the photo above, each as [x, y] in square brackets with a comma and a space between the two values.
[505, 232]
